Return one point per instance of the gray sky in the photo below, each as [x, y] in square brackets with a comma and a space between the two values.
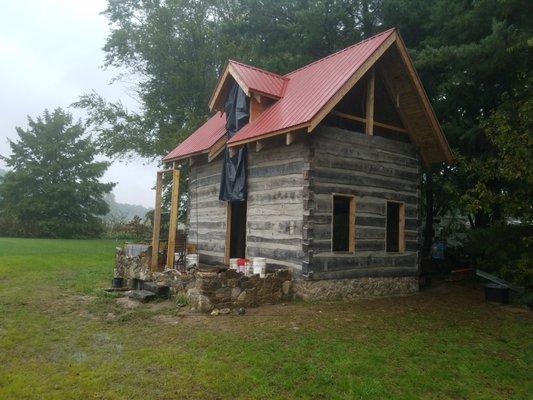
[50, 54]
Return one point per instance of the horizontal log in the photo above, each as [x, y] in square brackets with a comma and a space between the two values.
[364, 141]
[335, 262]
[356, 179]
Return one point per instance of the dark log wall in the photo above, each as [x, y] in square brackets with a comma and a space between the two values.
[275, 201]
[205, 208]
[374, 170]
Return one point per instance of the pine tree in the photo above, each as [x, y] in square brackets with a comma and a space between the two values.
[53, 188]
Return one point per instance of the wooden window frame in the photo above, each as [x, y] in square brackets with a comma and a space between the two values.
[401, 226]
[351, 224]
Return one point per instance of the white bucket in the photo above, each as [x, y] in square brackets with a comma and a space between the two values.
[233, 264]
[192, 260]
[259, 265]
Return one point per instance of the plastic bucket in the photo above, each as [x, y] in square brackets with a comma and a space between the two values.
[192, 260]
[233, 264]
[259, 266]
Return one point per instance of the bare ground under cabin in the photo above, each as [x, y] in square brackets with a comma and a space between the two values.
[62, 337]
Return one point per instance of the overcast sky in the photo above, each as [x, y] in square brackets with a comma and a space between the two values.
[50, 54]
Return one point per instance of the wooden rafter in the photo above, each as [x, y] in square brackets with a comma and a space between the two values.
[369, 109]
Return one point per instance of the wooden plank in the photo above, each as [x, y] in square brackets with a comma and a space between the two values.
[352, 81]
[227, 238]
[213, 103]
[363, 120]
[156, 226]
[401, 232]
[351, 233]
[369, 109]
[290, 138]
[173, 217]
[216, 149]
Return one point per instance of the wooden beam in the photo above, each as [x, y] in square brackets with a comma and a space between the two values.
[216, 149]
[220, 84]
[352, 81]
[227, 239]
[369, 109]
[259, 146]
[290, 137]
[401, 228]
[363, 120]
[173, 224]
[351, 233]
[156, 226]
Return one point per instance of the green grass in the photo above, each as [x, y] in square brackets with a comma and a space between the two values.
[61, 337]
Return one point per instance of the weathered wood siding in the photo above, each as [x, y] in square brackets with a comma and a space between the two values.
[275, 201]
[206, 210]
[375, 170]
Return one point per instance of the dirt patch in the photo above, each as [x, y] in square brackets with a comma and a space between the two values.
[166, 319]
[128, 303]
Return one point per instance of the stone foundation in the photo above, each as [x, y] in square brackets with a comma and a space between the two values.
[214, 287]
[350, 289]
[207, 288]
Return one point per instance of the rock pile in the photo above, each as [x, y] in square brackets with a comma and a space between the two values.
[206, 288]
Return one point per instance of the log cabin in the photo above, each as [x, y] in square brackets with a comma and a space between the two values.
[331, 155]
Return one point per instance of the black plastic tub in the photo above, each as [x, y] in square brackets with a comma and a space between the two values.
[118, 282]
[497, 293]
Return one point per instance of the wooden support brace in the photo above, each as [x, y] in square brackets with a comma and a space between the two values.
[401, 228]
[369, 126]
[363, 120]
[173, 224]
[290, 138]
[156, 226]
[259, 146]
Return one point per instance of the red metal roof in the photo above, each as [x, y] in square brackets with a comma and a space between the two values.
[202, 139]
[302, 94]
[259, 80]
[309, 88]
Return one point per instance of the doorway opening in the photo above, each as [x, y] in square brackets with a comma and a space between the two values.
[236, 230]
[395, 227]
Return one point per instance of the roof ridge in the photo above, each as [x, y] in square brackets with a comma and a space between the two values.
[340, 51]
[259, 69]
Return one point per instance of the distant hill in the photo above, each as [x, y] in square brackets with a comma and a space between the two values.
[123, 210]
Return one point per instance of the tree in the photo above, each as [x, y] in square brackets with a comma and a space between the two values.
[179, 47]
[53, 189]
[473, 58]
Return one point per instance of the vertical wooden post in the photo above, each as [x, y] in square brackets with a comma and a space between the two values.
[369, 126]
[174, 199]
[156, 226]
[351, 224]
[401, 228]
[227, 239]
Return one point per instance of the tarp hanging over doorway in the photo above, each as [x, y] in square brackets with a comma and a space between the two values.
[233, 181]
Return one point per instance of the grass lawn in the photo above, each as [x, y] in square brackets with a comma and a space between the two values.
[61, 337]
